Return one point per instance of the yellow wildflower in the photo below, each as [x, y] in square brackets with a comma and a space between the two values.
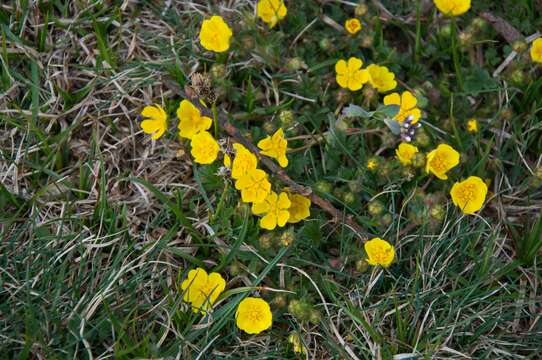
[372, 164]
[275, 207]
[379, 252]
[536, 50]
[271, 11]
[405, 152]
[441, 160]
[202, 290]
[155, 122]
[243, 162]
[204, 148]
[254, 186]
[215, 34]
[469, 195]
[299, 208]
[452, 7]
[381, 78]
[297, 344]
[191, 122]
[253, 315]
[472, 125]
[353, 26]
[407, 103]
[350, 75]
[275, 146]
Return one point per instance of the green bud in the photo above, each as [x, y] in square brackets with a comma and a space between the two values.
[520, 46]
[218, 71]
[326, 44]
[518, 77]
[422, 139]
[362, 265]
[279, 301]
[361, 10]
[367, 41]
[418, 161]
[269, 127]
[323, 187]
[386, 219]
[349, 198]
[295, 64]
[266, 241]
[445, 30]
[315, 316]
[286, 118]
[437, 212]
[375, 208]
[287, 237]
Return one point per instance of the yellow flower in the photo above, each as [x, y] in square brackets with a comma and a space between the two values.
[350, 75]
[156, 121]
[243, 162]
[472, 125]
[452, 7]
[299, 208]
[275, 146]
[297, 344]
[405, 152]
[202, 290]
[204, 148]
[353, 26]
[215, 34]
[441, 160]
[372, 164]
[379, 252]
[275, 207]
[191, 122]
[536, 50]
[381, 78]
[253, 315]
[271, 11]
[407, 103]
[469, 195]
[254, 186]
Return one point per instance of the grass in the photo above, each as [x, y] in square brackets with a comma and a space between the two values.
[99, 224]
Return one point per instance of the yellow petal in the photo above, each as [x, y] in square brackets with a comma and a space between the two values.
[354, 64]
[392, 99]
[341, 67]
[269, 221]
[408, 101]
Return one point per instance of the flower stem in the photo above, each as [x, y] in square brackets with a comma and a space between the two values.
[455, 55]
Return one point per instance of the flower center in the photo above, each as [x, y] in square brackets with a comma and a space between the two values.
[381, 255]
[466, 193]
[254, 314]
[439, 163]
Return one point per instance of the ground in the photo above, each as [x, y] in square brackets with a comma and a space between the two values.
[100, 224]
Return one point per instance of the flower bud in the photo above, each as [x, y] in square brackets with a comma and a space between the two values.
[418, 161]
[295, 64]
[369, 92]
[355, 186]
[326, 44]
[361, 9]
[279, 301]
[323, 187]
[349, 198]
[479, 24]
[315, 316]
[538, 172]
[518, 77]
[386, 219]
[286, 118]
[465, 39]
[437, 212]
[367, 41]
[266, 240]
[520, 46]
[362, 265]
[269, 127]
[287, 237]
[235, 268]
[445, 31]
[375, 208]
[218, 71]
